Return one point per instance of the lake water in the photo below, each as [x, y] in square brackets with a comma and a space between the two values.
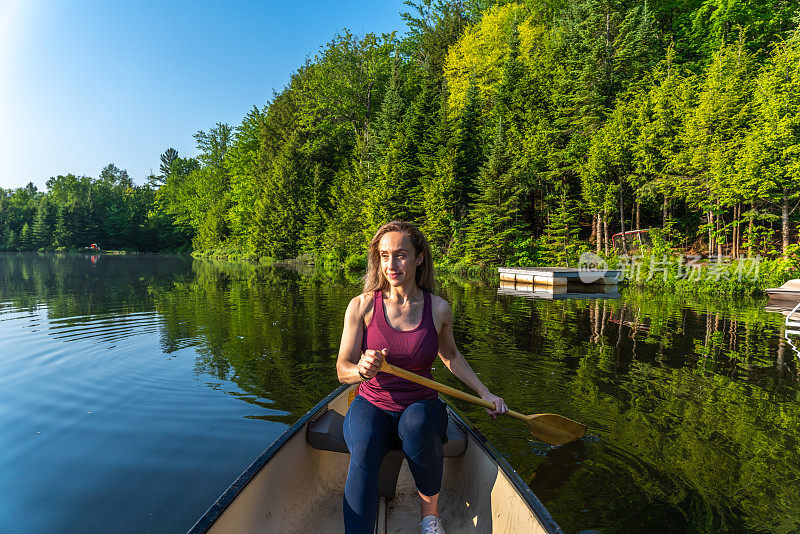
[135, 389]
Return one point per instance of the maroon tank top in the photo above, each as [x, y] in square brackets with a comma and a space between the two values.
[413, 350]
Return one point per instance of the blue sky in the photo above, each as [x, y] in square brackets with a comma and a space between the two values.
[87, 83]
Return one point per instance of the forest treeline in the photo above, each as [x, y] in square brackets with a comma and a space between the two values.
[77, 211]
[512, 133]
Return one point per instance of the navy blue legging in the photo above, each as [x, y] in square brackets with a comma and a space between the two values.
[370, 433]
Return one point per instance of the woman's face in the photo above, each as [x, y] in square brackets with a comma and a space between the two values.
[399, 260]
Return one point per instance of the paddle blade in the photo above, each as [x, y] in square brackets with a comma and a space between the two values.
[554, 429]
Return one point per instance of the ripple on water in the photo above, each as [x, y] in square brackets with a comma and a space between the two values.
[115, 409]
[105, 328]
[99, 421]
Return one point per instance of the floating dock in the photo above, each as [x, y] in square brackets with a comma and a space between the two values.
[566, 282]
[534, 292]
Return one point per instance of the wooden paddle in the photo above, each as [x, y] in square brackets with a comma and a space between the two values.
[548, 427]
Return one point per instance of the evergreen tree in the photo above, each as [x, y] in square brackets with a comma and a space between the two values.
[497, 215]
[713, 137]
[280, 209]
[495, 222]
[167, 159]
[560, 242]
[316, 209]
[9, 242]
[62, 234]
[606, 44]
[347, 225]
[770, 168]
[242, 163]
[396, 191]
[439, 188]
[390, 116]
[41, 231]
[466, 154]
[26, 237]
[660, 111]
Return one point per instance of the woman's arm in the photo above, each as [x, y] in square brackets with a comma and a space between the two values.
[458, 365]
[351, 365]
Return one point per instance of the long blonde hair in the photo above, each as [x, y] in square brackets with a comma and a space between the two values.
[374, 279]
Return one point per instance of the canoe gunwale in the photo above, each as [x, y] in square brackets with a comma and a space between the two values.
[522, 488]
[212, 514]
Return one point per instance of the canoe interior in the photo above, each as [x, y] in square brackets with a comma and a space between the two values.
[296, 488]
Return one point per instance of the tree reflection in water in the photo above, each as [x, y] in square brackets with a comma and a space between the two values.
[692, 404]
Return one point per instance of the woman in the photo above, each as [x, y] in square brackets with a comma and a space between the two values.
[399, 319]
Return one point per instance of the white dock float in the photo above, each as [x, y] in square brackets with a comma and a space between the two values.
[558, 276]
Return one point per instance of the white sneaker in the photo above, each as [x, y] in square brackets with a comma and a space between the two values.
[431, 524]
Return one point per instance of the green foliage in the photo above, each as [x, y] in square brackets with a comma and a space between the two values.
[278, 210]
[715, 23]
[207, 195]
[9, 240]
[242, 162]
[434, 27]
[347, 228]
[449, 192]
[510, 132]
[41, 230]
[395, 191]
[26, 237]
[559, 245]
[715, 129]
[167, 159]
[496, 222]
[78, 211]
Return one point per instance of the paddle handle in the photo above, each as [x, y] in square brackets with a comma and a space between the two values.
[447, 390]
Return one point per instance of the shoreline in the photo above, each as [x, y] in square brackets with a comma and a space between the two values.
[733, 277]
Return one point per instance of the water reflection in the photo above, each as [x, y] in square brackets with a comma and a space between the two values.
[272, 331]
[790, 338]
[71, 285]
[692, 404]
[688, 399]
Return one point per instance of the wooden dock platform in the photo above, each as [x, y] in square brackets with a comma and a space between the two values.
[559, 276]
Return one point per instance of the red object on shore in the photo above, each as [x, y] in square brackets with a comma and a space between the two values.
[635, 241]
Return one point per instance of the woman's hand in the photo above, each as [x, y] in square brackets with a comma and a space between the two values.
[499, 405]
[370, 363]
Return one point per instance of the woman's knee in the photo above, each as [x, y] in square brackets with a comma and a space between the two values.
[366, 432]
[420, 420]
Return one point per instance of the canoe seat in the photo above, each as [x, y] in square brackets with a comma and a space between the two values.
[325, 433]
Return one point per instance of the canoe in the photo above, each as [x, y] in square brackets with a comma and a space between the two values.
[789, 291]
[297, 484]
